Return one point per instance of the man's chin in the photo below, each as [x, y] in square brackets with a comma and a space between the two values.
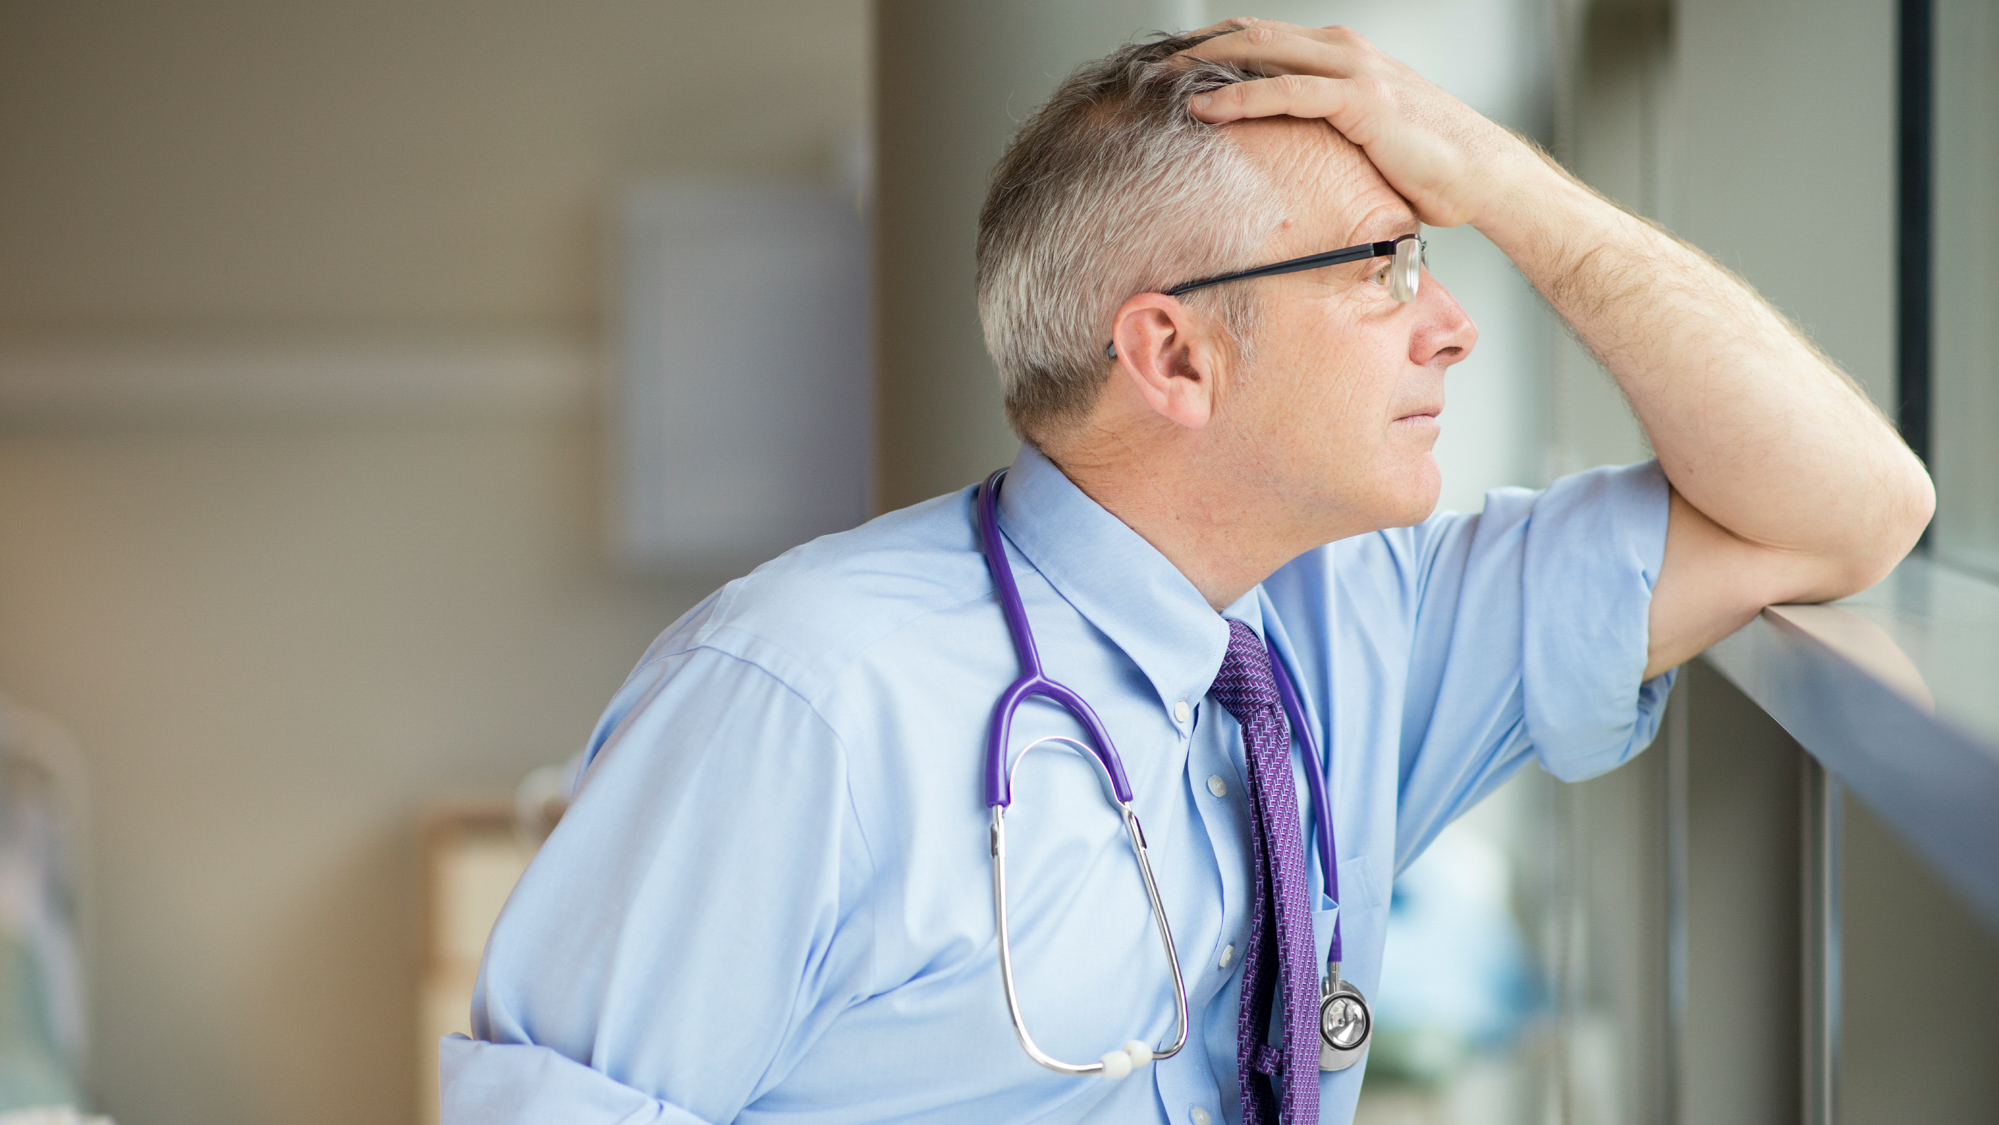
[1406, 510]
[1417, 498]
[1402, 499]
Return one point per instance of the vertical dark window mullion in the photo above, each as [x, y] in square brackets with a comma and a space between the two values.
[1915, 218]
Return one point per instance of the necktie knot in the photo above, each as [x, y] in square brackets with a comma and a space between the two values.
[1245, 684]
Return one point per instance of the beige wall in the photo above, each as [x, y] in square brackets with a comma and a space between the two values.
[285, 165]
[278, 631]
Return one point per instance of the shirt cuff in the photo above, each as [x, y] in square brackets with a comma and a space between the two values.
[502, 1083]
[1594, 546]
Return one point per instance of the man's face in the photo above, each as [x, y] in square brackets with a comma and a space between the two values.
[1343, 399]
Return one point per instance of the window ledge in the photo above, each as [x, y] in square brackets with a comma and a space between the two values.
[1896, 691]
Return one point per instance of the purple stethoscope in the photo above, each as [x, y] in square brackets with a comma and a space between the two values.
[1345, 1023]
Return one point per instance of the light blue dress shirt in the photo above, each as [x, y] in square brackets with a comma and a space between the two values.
[771, 899]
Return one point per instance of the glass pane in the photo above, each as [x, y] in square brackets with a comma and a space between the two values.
[1966, 356]
[1465, 1027]
[1524, 979]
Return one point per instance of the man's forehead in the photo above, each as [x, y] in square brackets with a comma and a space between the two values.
[1329, 186]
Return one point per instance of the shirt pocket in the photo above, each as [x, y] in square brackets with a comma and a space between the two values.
[1360, 908]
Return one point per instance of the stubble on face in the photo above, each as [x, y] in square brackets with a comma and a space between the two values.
[1342, 420]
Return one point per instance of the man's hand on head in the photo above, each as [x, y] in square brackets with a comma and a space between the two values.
[1788, 485]
[1450, 162]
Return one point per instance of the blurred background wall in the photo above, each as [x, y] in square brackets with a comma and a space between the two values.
[301, 477]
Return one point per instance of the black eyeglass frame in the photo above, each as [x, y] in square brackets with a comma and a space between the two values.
[1404, 277]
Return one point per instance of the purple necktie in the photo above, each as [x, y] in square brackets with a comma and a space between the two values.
[1280, 940]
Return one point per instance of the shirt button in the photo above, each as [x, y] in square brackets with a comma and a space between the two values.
[1217, 786]
[1228, 954]
[1181, 711]
[1199, 1116]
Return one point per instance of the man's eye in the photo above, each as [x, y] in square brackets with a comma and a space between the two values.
[1380, 276]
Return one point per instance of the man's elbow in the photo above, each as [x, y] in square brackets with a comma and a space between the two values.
[1898, 521]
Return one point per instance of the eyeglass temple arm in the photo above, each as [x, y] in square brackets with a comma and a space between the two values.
[1293, 265]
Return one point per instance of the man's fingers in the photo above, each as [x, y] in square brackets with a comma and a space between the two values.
[1342, 101]
[1235, 24]
[1243, 36]
[1332, 34]
[1269, 49]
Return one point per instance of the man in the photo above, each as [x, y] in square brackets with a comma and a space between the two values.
[772, 895]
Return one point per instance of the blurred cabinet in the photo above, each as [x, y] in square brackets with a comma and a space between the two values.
[472, 857]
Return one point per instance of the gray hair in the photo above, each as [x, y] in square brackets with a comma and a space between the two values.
[1112, 188]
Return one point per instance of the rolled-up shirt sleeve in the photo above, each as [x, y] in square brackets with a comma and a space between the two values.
[1593, 548]
[696, 919]
[520, 1082]
[1529, 633]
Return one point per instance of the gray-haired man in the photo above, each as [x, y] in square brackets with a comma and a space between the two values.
[772, 897]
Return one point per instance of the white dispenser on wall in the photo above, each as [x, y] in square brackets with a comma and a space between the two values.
[740, 412]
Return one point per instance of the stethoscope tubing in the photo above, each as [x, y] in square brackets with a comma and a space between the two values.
[998, 779]
[1027, 1043]
[1315, 788]
[1033, 681]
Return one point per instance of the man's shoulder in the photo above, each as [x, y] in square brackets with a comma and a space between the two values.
[1386, 576]
[806, 615]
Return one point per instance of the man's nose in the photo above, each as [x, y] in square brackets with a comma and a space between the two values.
[1444, 333]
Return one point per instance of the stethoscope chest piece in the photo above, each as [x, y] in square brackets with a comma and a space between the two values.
[1346, 1024]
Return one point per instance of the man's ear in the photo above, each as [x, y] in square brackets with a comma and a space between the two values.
[1169, 355]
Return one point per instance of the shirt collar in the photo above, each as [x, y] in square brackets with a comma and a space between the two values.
[1119, 582]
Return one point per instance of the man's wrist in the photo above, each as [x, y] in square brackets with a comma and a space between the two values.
[1543, 218]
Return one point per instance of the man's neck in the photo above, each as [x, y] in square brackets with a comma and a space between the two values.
[1209, 524]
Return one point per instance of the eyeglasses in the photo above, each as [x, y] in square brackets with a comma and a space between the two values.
[1405, 273]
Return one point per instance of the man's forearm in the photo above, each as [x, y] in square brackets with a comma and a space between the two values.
[1769, 443]
[1753, 426]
